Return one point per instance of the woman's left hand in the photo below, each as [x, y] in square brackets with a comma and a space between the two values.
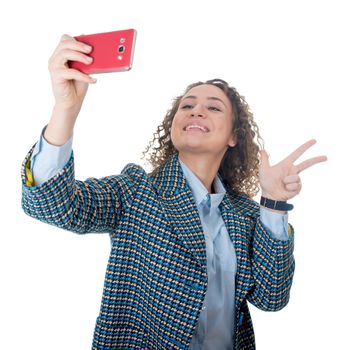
[281, 181]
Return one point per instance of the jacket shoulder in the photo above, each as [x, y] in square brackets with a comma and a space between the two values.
[134, 171]
[133, 175]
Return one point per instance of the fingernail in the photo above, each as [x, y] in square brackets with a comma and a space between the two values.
[87, 48]
[89, 58]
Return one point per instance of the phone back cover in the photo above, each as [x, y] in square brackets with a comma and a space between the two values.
[106, 53]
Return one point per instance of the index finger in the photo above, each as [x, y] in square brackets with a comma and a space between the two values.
[68, 42]
[299, 151]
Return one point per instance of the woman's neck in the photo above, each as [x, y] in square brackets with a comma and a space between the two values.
[204, 167]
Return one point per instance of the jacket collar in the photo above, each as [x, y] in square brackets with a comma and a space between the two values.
[170, 179]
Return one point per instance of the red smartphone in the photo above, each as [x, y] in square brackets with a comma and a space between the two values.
[111, 52]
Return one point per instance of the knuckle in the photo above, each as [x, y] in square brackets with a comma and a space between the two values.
[65, 37]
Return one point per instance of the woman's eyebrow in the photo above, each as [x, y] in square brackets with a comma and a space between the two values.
[208, 98]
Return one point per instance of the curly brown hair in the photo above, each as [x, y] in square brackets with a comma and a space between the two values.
[239, 168]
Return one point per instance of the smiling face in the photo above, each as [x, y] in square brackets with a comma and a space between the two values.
[203, 122]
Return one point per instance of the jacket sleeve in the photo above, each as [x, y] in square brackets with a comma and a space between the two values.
[272, 267]
[47, 159]
[81, 207]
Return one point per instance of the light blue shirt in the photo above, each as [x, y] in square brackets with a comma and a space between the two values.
[215, 328]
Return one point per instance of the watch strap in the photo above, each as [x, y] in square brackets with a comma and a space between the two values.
[276, 205]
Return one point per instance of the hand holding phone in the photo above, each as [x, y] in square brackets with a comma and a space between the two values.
[111, 52]
[86, 54]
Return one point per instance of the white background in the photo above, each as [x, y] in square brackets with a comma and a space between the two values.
[283, 56]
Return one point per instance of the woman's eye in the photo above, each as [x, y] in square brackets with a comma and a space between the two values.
[186, 106]
[211, 108]
[216, 109]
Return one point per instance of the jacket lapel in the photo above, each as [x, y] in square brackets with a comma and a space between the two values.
[237, 221]
[180, 208]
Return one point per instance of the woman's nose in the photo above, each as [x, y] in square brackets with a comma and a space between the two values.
[197, 111]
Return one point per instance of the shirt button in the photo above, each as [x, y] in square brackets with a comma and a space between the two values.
[203, 308]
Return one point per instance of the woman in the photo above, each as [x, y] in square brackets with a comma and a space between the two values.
[189, 245]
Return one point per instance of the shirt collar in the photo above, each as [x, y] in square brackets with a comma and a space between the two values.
[198, 189]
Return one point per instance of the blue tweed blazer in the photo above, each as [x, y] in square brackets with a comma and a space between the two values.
[156, 276]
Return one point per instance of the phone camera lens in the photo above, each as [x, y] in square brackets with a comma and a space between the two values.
[121, 49]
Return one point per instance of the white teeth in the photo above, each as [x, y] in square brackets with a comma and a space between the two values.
[197, 127]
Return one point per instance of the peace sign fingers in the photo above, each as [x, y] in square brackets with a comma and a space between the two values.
[281, 181]
[307, 163]
[299, 151]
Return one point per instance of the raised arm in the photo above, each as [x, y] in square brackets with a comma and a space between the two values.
[89, 206]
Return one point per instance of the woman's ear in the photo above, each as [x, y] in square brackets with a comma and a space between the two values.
[233, 141]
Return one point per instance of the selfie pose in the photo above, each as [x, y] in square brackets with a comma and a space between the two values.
[189, 246]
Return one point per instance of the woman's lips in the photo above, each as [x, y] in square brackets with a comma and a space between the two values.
[196, 127]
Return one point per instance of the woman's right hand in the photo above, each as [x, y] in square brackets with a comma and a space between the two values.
[69, 85]
[69, 88]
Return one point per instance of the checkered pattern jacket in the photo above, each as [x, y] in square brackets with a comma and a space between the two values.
[156, 277]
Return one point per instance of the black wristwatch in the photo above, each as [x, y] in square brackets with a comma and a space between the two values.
[276, 205]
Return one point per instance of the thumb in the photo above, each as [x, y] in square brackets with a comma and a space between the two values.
[264, 159]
